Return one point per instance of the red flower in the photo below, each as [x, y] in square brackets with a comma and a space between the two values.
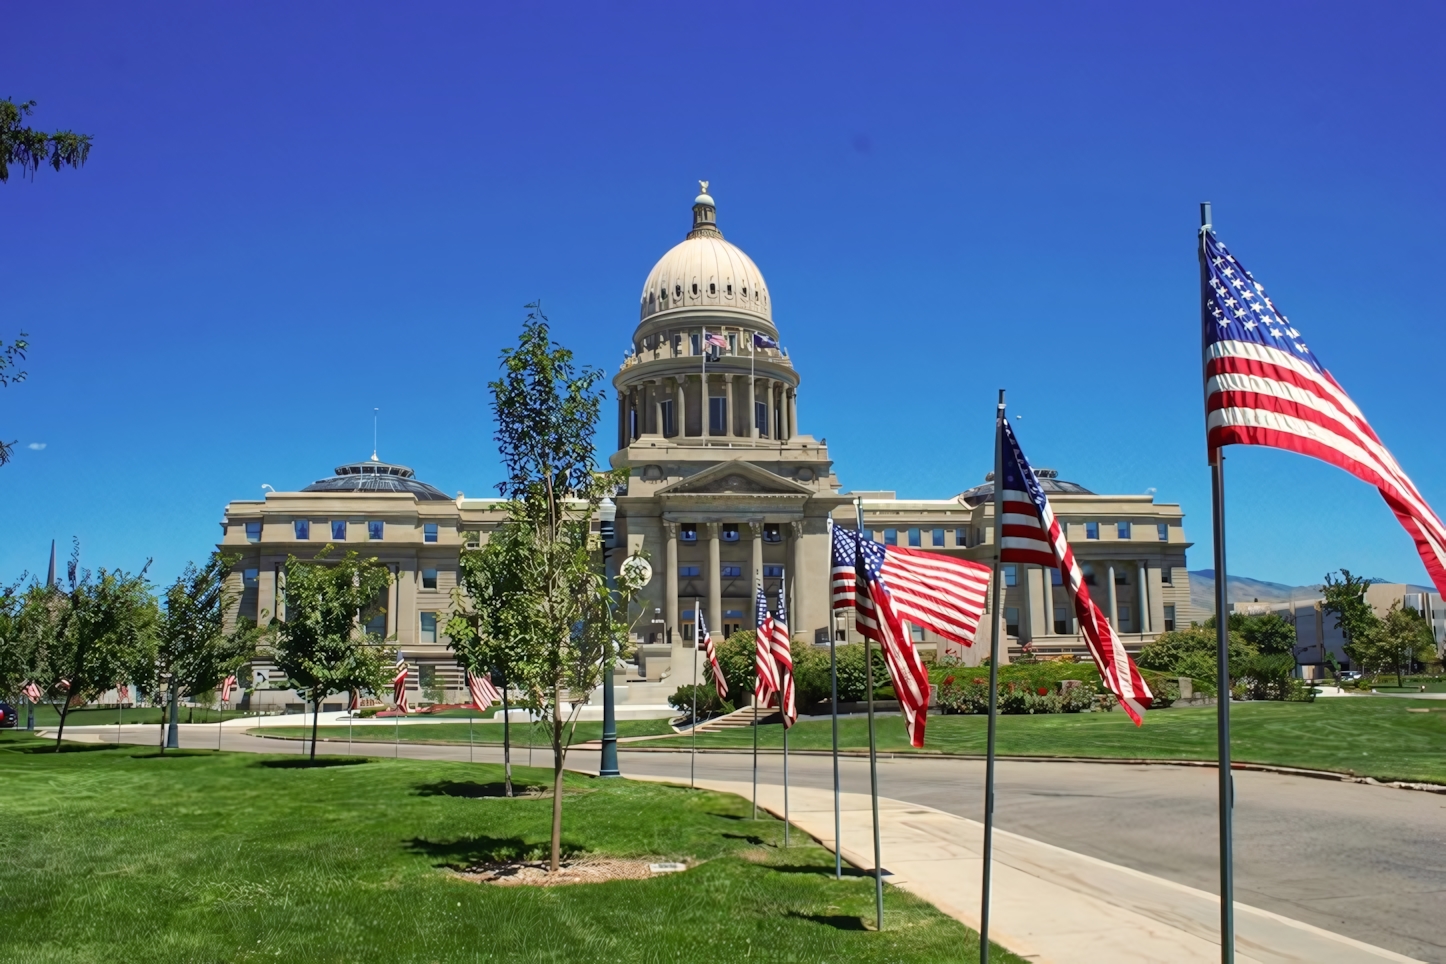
[948, 681]
[980, 681]
[1044, 691]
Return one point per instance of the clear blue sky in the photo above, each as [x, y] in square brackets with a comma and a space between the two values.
[296, 212]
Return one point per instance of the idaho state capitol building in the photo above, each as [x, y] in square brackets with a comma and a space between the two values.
[725, 492]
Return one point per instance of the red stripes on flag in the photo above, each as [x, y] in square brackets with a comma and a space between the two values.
[711, 651]
[399, 687]
[484, 694]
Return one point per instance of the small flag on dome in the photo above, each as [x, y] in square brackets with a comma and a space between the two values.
[713, 338]
[760, 340]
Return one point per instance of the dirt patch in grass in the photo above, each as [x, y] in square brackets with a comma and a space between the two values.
[534, 873]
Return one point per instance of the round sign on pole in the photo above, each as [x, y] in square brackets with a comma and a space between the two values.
[259, 676]
[636, 571]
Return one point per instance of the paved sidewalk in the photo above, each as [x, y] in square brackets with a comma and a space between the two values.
[1050, 905]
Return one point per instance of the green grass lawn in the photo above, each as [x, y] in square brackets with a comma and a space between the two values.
[1371, 737]
[46, 715]
[541, 734]
[121, 854]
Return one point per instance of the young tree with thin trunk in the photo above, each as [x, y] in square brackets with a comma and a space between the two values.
[542, 597]
[194, 652]
[322, 644]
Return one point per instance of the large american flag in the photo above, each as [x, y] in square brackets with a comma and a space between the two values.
[484, 694]
[32, 692]
[894, 586]
[227, 685]
[766, 682]
[1029, 533]
[701, 637]
[1263, 386]
[783, 659]
[399, 686]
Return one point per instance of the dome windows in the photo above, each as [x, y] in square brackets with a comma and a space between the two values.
[729, 290]
[712, 289]
[678, 291]
[695, 289]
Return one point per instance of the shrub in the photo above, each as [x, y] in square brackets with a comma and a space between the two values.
[963, 696]
[709, 705]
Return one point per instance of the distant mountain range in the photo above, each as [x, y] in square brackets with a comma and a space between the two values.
[1243, 589]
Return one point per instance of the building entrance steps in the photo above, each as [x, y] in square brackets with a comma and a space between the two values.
[739, 719]
[1050, 904]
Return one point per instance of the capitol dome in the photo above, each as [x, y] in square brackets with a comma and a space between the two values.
[705, 271]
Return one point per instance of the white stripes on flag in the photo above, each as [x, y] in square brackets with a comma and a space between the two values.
[483, 693]
[399, 687]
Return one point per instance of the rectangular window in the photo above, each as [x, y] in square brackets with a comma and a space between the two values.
[1056, 578]
[772, 572]
[1121, 578]
[429, 627]
[1092, 530]
[730, 532]
[688, 532]
[1011, 621]
[938, 538]
[338, 531]
[978, 535]
[1167, 576]
[916, 539]
[772, 532]
[249, 579]
[1162, 531]
[717, 416]
[696, 343]
[253, 532]
[429, 532]
[916, 633]
[961, 538]
[1122, 530]
[732, 572]
[669, 428]
[374, 529]
[1088, 571]
[1061, 627]
[891, 537]
[1011, 575]
[760, 418]
[1169, 619]
[301, 528]
[377, 625]
[688, 572]
[1124, 612]
[429, 579]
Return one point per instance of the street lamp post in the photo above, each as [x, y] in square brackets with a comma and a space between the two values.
[608, 764]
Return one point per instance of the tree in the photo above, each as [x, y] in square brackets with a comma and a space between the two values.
[193, 650]
[1192, 652]
[15, 653]
[1345, 598]
[322, 645]
[9, 356]
[83, 641]
[549, 608]
[1401, 639]
[30, 149]
[1268, 633]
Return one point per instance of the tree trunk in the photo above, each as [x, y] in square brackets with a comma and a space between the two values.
[162, 743]
[556, 777]
[315, 713]
[64, 710]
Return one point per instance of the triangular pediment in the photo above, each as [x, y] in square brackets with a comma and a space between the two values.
[736, 478]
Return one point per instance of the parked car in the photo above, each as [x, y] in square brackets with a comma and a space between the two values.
[1349, 676]
[8, 716]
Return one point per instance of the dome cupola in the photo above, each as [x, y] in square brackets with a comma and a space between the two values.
[706, 272]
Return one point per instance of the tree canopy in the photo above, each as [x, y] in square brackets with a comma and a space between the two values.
[30, 149]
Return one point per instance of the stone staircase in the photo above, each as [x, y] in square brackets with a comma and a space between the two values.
[738, 719]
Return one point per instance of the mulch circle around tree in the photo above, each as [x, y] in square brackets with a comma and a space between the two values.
[534, 873]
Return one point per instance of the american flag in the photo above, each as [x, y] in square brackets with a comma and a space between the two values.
[1029, 533]
[767, 671]
[1263, 386]
[227, 685]
[701, 637]
[894, 586]
[122, 693]
[484, 694]
[354, 702]
[715, 339]
[783, 659]
[399, 686]
[32, 692]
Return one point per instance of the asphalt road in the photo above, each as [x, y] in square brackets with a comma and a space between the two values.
[1367, 862]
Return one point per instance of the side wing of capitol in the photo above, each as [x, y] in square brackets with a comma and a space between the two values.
[725, 493]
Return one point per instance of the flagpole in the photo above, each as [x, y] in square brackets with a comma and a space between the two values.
[470, 717]
[833, 688]
[693, 758]
[754, 698]
[1222, 658]
[996, 629]
[506, 739]
[873, 746]
[782, 704]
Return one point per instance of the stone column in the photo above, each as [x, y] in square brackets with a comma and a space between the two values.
[753, 400]
[795, 573]
[670, 579]
[682, 405]
[1026, 601]
[715, 587]
[622, 420]
[707, 410]
[1114, 612]
[1157, 601]
[792, 413]
[756, 528]
[1142, 594]
[657, 406]
[266, 580]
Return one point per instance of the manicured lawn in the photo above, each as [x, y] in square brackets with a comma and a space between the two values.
[1371, 737]
[457, 732]
[46, 715]
[119, 854]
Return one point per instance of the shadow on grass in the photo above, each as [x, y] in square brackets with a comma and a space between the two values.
[472, 790]
[822, 870]
[467, 852]
[838, 922]
[304, 764]
[746, 837]
[49, 747]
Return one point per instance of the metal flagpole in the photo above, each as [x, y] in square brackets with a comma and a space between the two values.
[782, 593]
[1222, 657]
[506, 739]
[118, 723]
[754, 698]
[693, 758]
[833, 684]
[350, 716]
[996, 629]
[873, 748]
[470, 717]
[218, 726]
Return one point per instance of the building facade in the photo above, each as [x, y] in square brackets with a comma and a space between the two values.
[725, 494]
